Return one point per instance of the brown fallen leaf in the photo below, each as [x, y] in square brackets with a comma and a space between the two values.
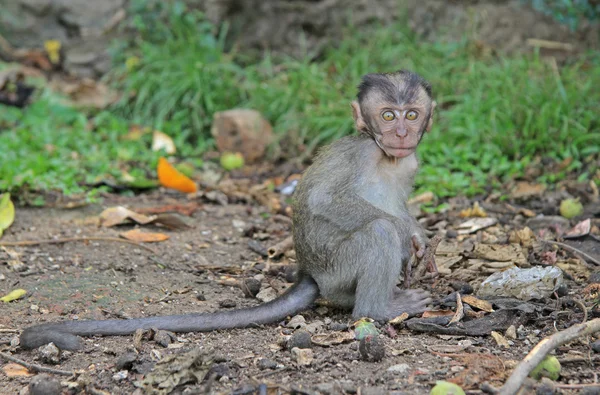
[86, 92]
[398, 320]
[525, 189]
[437, 313]
[333, 338]
[16, 370]
[143, 237]
[475, 211]
[500, 340]
[581, 229]
[524, 237]
[475, 224]
[501, 253]
[478, 303]
[120, 215]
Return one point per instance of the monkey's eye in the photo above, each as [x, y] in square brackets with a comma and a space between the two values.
[411, 115]
[388, 116]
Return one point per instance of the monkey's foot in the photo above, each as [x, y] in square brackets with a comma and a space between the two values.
[410, 301]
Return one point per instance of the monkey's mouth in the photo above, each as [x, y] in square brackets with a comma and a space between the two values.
[400, 152]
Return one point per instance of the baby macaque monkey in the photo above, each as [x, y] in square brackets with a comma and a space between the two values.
[353, 233]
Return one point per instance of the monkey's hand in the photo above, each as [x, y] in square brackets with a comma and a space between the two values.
[425, 260]
[419, 244]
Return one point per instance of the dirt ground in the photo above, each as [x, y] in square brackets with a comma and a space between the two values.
[193, 272]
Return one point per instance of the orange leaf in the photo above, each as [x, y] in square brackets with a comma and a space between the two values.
[16, 370]
[170, 177]
[143, 237]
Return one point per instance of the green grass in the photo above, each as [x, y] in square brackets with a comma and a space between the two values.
[496, 115]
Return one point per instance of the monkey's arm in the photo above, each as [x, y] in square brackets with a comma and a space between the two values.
[63, 334]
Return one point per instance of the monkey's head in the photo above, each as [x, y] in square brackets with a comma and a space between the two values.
[395, 109]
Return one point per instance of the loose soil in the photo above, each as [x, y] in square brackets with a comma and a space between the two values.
[100, 280]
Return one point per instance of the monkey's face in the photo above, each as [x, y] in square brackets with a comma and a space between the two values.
[395, 110]
[399, 127]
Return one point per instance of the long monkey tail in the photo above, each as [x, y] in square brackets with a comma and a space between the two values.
[64, 334]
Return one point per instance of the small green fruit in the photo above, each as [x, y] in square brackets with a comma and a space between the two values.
[231, 161]
[549, 367]
[446, 388]
[570, 208]
[186, 169]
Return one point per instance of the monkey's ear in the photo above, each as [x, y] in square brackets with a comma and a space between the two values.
[357, 115]
[430, 121]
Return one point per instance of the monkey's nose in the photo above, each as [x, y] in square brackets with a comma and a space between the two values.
[401, 133]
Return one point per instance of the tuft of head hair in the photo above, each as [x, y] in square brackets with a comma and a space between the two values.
[396, 87]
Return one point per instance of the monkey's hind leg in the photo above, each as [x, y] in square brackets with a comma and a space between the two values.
[375, 254]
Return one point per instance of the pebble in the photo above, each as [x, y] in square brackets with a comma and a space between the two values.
[326, 388]
[303, 356]
[266, 295]
[125, 361]
[371, 348]
[338, 326]
[251, 287]
[594, 278]
[44, 384]
[264, 364]
[401, 368]
[451, 234]
[297, 321]
[511, 332]
[596, 346]
[227, 303]
[164, 338]
[373, 391]
[300, 339]
[50, 354]
[219, 370]
[119, 376]
[463, 288]
[314, 327]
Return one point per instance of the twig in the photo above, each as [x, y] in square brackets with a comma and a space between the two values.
[35, 368]
[4, 330]
[69, 239]
[536, 42]
[280, 248]
[574, 251]
[537, 354]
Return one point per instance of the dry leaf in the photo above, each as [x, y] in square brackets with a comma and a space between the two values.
[143, 237]
[478, 303]
[500, 253]
[86, 92]
[524, 237]
[398, 320]
[425, 197]
[500, 340]
[475, 224]
[475, 211]
[525, 189]
[13, 295]
[437, 313]
[7, 212]
[170, 177]
[120, 215]
[581, 229]
[161, 141]
[333, 338]
[52, 48]
[16, 370]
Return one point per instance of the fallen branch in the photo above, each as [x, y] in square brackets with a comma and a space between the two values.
[539, 352]
[280, 248]
[35, 368]
[70, 239]
[574, 251]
